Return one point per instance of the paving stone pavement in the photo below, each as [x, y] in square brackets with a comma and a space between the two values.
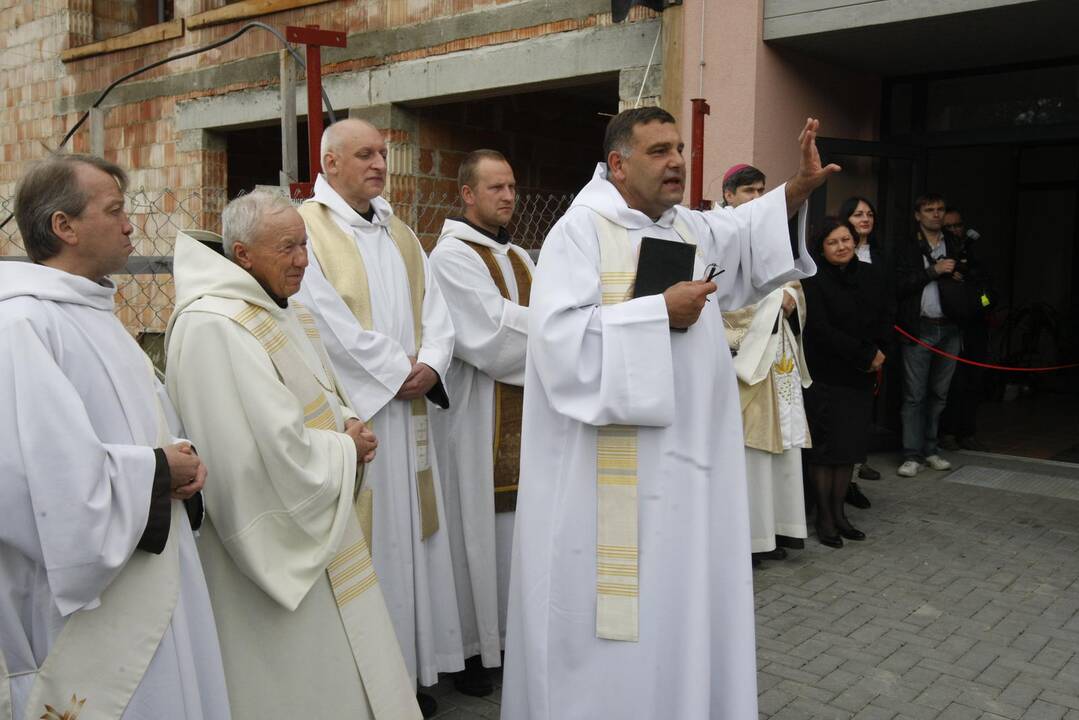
[962, 604]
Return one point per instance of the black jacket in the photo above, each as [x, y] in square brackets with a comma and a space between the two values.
[911, 274]
[846, 323]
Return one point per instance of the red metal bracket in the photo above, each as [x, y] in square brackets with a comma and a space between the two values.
[696, 158]
[314, 39]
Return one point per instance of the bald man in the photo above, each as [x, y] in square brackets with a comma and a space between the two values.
[390, 338]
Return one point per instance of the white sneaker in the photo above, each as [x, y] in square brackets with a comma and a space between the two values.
[909, 468]
[938, 463]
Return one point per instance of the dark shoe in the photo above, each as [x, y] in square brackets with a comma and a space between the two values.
[777, 554]
[756, 561]
[856, 498]
[428, 706]
[830, 540]
[474, 679]
[948, 442]
[972, 443]
[867, 473]
[851, 533]
[790, 542]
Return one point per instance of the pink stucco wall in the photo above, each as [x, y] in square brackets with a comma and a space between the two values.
[760, 96]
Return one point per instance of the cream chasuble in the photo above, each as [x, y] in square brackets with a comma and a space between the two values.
[304, 626]
[371, 352]
[100, 629]
[772, 372]
[488, 304]
[594, 363]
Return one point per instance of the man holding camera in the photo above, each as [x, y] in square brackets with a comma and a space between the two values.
[930, 271]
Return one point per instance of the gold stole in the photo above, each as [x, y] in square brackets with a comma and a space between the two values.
[509, 399]
[617, 560]
[351, 573]
[101, 655]
[617, 579]
[343, 267]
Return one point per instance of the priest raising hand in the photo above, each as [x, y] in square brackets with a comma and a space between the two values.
[631, 571]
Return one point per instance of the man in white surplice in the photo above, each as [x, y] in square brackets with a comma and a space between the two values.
[103, 607]
[390, 339]
[632, 447]
[771, 369]
[303, 625]
[490, 317]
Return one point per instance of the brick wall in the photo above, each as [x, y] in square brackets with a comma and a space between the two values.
[35, 86]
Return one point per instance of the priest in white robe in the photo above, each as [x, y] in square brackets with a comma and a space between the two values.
[631, 592]
[390, 338]
[303, 624]
[104, 612]
[485, 279]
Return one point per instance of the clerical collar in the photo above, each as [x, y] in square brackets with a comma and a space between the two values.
[280, 302]
[502, 237]
[369, 216]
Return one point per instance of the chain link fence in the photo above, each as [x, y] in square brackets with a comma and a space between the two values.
[145, 293]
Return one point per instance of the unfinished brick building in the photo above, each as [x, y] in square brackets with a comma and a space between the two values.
[198, 130]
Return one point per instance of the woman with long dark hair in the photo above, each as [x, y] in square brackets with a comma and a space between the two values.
[846, 328]
[861, 215]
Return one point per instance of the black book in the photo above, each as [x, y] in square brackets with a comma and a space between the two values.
[662, 263]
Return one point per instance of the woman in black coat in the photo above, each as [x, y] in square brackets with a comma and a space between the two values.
[870, 247]
[847, 328]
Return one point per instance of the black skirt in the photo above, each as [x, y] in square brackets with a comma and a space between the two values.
[840, 420]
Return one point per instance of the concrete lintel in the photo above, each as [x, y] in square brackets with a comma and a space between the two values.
[630, 79]
[252, 107]
[388, 117]
[254, 70]
[199, 139]
[502, 18]
[550, 58]
[794, 18]
[443, 78]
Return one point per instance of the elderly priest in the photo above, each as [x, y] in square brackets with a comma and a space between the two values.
[304, 627]
[103, 607]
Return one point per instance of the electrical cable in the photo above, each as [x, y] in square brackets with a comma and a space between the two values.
[187, 53]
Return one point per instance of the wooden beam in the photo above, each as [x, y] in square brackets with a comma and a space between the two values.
[144, 36]
[673, 32]
[245, 9]
[290, 165]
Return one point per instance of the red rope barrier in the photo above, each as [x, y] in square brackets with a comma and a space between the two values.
[975, 363]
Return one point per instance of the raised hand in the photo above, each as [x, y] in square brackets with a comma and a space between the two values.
[811, 175]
